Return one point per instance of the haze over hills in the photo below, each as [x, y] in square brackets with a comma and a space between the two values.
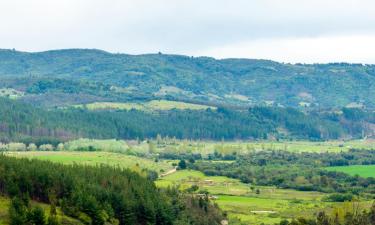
[75, 76]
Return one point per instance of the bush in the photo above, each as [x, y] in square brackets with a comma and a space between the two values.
[338, 197]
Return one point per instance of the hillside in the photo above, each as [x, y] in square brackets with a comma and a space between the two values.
[76, 76]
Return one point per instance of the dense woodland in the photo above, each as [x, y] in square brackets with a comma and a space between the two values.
[80, 75]
[26, 123]
[96, 195]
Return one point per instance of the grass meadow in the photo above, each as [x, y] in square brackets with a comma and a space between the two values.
[360, 170]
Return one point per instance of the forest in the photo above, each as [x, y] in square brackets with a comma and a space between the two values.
[96, 195]
[26, 123]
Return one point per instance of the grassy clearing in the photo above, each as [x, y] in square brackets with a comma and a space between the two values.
[361, 170]
[146, 106]
[97, 158]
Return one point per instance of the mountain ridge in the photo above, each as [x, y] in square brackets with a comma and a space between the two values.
[232, 81]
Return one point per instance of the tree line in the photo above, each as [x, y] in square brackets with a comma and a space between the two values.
[25, 123]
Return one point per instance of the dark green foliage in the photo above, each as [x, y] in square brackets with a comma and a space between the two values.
[182, 164]
[20, 213]
[96, 195]
[74, 72]
[337, 197]
[36, 216]
[17, 212]
[23, 122]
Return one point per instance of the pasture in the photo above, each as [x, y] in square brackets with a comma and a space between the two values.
[360, 170]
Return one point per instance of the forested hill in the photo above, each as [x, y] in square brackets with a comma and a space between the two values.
[77, 75]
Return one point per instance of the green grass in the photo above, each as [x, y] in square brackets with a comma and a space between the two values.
[241, 201]
[243, 147]
[361, 170]
[146, 106]
[97, 158]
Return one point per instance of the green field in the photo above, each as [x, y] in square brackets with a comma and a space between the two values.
[172, 145]
[145, 106]
[242, 202]
[361, 170]
[97, 158]
[228, 147]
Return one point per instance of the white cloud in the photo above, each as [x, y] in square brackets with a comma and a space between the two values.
[357, 49]
[221, 28]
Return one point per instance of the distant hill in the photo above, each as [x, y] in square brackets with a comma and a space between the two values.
[76, 76]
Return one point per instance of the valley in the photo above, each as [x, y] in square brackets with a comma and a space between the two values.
[244, 203]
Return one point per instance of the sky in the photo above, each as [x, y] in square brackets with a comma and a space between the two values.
[305, 31]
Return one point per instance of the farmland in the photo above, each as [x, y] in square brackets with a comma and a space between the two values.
[243, 202]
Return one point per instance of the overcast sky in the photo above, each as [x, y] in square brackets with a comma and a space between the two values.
[283, 30]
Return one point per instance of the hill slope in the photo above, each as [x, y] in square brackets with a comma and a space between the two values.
[80, 76]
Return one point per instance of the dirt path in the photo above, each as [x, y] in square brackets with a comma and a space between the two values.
[169, 172]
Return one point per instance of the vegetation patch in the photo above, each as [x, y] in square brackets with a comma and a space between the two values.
[145, 106]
